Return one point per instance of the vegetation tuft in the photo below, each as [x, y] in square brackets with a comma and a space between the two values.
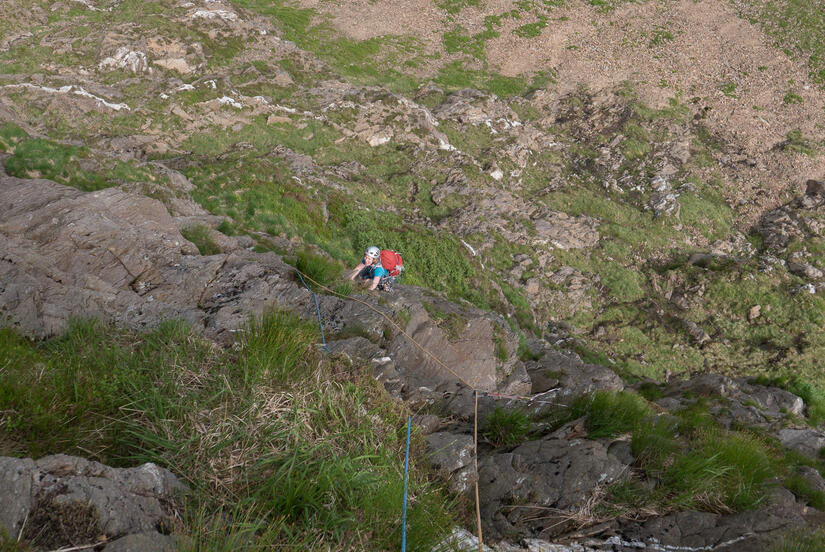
[505, 427]
[200, 235]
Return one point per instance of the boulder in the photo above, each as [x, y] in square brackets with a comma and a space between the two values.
[116, 501]
[545, 475]
[144, 542]
[806, 441]
[453, 455]
[561, 374]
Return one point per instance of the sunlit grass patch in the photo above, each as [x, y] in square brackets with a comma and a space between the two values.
[41, 158]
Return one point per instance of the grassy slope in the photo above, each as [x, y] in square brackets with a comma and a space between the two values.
[273, 439]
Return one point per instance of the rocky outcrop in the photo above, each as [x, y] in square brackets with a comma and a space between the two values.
[562, 374]
[795, 223]
[88, 500]
[735, 401]
[453, 455]
[120, 257]
[531, 490]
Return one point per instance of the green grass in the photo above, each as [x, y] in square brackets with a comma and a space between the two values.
[323, 270]
[372, 61]
[41, 158]
[453, 7]
[796, 142]
[728, 89]
[610, 413]
[808, 539]
[8, 544]
[200, 236]
[277, 451]
[812, 394]
[531, 30]
[505, 427]
[456, 40]
[10, 136]
[694, 463]
[659, 37]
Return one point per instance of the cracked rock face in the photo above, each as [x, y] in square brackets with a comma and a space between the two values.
[541, 476]
[121, 501]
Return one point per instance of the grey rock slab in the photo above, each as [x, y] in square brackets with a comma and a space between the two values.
[806, 441]
[356, 347]
[16, 496]
[561, 374]
[621, 451]
[449, 452]
[144, 542]
[550, 473]
[127, 500]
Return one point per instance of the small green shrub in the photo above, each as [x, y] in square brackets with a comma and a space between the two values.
[659, 37]
[531, 30]
[505, 427]
[455, 6]
[650, 391]
[795, 141]
[200, 236]
[728, 89]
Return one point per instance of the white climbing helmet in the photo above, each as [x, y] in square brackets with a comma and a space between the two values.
[372, 252]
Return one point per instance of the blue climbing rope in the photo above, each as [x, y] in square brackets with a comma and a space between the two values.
[406, 473]
[318, 310]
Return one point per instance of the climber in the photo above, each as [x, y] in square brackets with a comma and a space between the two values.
[369, 270]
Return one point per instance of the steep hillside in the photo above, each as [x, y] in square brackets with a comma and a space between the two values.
[641, 184]
[605, 146]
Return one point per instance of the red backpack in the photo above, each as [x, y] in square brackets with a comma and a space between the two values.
[391, 261]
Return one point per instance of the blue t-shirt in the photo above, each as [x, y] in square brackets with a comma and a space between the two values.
[374, 270]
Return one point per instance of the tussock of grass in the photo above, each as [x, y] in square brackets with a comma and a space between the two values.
[695, 464]
[611, 413]
[279, 446]
[200, 236]
[505, 427]
[321, 269]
